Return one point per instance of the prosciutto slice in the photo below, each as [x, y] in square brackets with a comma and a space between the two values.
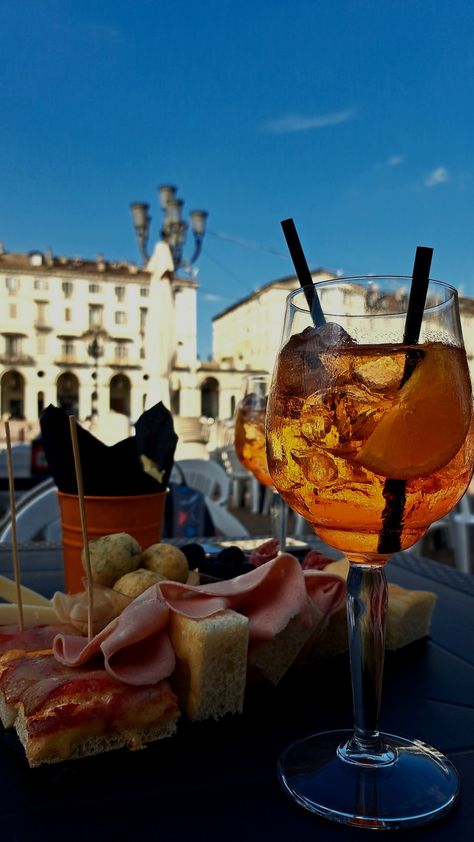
[136, 645]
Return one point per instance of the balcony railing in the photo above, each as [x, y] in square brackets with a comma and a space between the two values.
[69, 359]
[43, 324]
[8, 358]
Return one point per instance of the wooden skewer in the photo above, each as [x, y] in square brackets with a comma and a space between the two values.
[16, 559]
[82, 510]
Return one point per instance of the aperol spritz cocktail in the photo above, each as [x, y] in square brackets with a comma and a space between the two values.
[341, 423]
[250, 446]
[250, 428]
[371, 439]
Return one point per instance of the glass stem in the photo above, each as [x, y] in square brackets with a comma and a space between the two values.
[366, 612]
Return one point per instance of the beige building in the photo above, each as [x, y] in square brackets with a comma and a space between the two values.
[96, 336]
[92, 335]
[248, 334]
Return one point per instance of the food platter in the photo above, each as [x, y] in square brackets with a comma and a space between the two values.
[222, 775]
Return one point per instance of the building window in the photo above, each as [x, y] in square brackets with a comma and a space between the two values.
[13, 346]
[121, 351]
[120, 317]
[144, 292]
[40, 283]
[95, 315]
[12, 311]
[41, 344]
[143, 314]
[67, 288]
[142, 353]
[94, 288]
[67, 348]
[120, 293]
[67, 314]
[40, 312]
[12, 284]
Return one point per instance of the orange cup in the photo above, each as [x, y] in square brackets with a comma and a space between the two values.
[140, 516]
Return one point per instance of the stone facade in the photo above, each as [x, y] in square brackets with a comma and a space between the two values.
[98, 337]
[91, 335]
[248, 334]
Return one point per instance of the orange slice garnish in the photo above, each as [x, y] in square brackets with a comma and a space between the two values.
[428, 422]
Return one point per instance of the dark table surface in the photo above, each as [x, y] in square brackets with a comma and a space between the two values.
[217, 780]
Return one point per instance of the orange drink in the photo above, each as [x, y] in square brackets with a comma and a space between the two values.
[250, 442]
[250, 428]
[340, 424]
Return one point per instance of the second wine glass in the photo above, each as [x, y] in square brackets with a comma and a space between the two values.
[250, 445]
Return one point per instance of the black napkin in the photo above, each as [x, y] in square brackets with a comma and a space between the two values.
[140, 464]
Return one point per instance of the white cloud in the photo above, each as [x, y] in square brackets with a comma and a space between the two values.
[211, 296]
[395, 160]
[437, 176]
[301, 123]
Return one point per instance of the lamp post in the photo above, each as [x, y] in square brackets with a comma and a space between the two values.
[95, 350]
[141, 221]
[174, 228]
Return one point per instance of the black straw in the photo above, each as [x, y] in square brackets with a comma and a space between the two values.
[302, 271]
[394, 490]
[419, 288]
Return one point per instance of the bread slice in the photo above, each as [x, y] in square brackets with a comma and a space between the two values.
[408, 618]
[82, 718]
[9, 661]
[7, 713]
[76, 743]
[274, 657]
[211, 663]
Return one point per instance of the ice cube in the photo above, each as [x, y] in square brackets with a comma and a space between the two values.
[309, 360]
[381, 375]
[332, 335]
[297, 357]
[340, 418]
[318, 468]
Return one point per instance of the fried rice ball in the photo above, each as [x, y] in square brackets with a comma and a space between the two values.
[112, 556]
[133, 584]
[166, 560]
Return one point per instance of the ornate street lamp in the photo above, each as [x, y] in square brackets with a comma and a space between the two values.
[95, 350]
[141, 221]
[174, 228]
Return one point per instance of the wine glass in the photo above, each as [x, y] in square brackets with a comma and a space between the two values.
[371, 440]
[250, 445]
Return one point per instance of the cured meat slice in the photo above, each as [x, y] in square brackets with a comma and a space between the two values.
[31, 639]
[136, 645]
[265, 552]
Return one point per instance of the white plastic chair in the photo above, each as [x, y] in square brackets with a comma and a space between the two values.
[21, 458]
[224, 521]
[456, 525]
[205, 476]
[36, 511]
[462, 523]
[241, 479]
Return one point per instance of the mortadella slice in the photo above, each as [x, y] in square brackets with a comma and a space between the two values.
[136, 645]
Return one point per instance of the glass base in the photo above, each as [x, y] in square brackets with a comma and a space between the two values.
[414, 785]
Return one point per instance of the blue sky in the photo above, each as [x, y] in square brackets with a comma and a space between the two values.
[355, 117]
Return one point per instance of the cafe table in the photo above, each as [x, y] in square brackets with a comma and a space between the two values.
[217, 780]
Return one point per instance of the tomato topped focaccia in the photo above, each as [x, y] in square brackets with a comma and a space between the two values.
[61, 713]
